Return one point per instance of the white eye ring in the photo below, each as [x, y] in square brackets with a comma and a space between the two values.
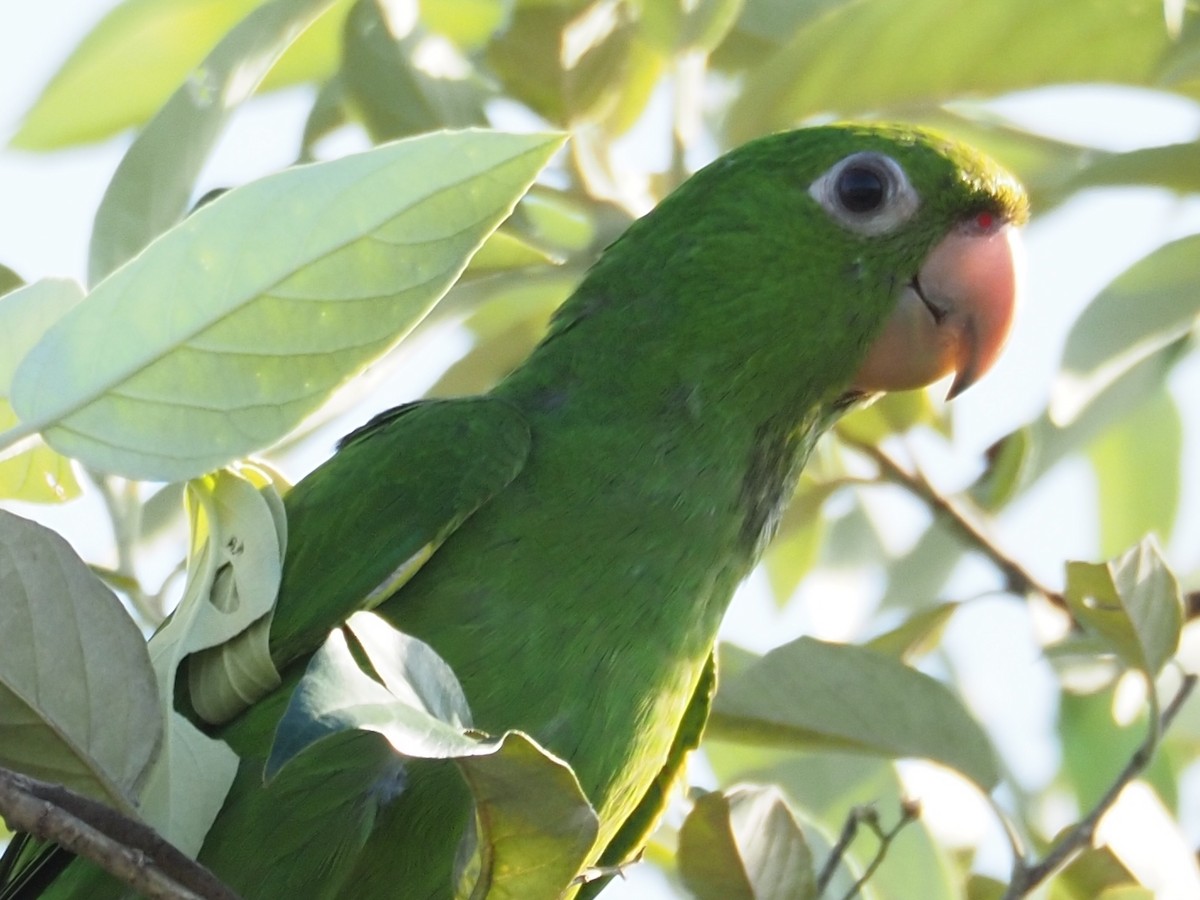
[867, 193]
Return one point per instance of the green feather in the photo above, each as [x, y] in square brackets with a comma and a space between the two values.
[591, 516]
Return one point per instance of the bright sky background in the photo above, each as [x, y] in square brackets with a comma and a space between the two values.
[47, 201]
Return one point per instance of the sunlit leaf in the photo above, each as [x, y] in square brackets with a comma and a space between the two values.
[506, 329]
[565, 61]
[238, 322]
[152, 185]
[1147, 307]
[808, 693]
[188, 785]
[676, 26]
[1174, 166]
[129, 64]
[78, 700]
[916, 635]
[1043, 444]
[1133, 602]
[825, 788]
[469, 23]
[974, 47]
[395, 88]
[239, 538]
[35, 473]
[1095, 748]
[894, 413]
[745, 844]
[234, 564]
[802, 531]
[9, 280]
[535, 828]
[504, 251]
[1150, 440]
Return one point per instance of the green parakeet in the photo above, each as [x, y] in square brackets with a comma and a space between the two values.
[569, 541]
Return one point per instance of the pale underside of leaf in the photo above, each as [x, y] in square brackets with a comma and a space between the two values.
[234, 325]
[810, 693]
[78, 702]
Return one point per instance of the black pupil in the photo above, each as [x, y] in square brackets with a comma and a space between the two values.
[860, 189]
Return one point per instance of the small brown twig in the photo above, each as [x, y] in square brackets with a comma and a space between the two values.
[910, 811]
[954, 514]
[1026, 876]
[127, 849]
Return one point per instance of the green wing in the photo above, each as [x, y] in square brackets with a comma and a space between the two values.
[365, 522]
[626, 846]
[359, 526]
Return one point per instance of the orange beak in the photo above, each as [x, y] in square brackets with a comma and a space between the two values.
[954, 316]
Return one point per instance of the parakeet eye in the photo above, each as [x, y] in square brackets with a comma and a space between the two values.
[860, 189]
[867, 193]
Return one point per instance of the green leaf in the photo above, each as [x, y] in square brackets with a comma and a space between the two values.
[469, 23]
[802, 531]
[1092, 874]
[129, 64]
[1044, 443]
[1095, 748]
[1144, 309]
[234, 566]
[893, 413]
[745, 844]
[969, 48]
[1133, 602]
[1131, 504]
[916, 635]
[1174, 166]
[125, 69]
[234, 325]
[674, 26]
[534, 827]
[503, 252]
[825, 788]
[506, 329]
[809, 692]
[239, 538]
[336, 695]
[187, 786]
[78, 700]
[9, 280]
[396, 91]
[36, 473]
[566, 61]
[152, 185]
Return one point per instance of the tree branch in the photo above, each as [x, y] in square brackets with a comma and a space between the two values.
[1026, 877]
[125, 848]
[963, 523]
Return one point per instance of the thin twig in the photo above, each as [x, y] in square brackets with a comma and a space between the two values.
[1027, 877]
[838, 851]
[910, 811]
[125, 848]
[1018, 578]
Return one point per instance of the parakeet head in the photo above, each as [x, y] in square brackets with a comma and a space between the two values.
[824, 262]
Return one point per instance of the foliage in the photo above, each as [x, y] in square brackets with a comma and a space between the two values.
[208, 336]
